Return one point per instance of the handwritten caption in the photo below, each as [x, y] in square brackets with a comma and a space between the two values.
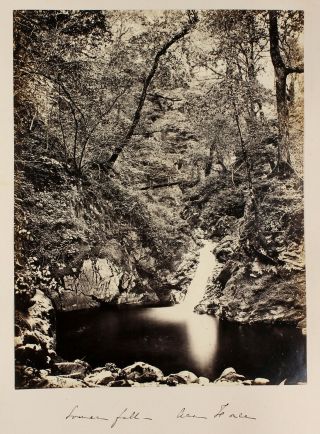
[224, 412]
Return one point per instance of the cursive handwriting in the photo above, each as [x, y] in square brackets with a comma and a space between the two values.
[225, 411]
[234, 415]
[184, 415]
[124, 415]
[221, 411]
[71, 415]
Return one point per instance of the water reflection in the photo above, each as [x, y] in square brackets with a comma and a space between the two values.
[200, 333]
[175, 338]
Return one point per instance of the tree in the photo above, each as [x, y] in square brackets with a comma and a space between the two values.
[53, 52]
[282, 70]
[192, 20]
[231, 70]
[85, 71]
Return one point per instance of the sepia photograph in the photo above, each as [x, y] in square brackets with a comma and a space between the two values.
[159, 198]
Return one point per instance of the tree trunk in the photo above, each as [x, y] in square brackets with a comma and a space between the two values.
[212, 151]
[281, 72]
[283, 116]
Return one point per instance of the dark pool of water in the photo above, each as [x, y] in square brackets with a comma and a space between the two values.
[175, 340]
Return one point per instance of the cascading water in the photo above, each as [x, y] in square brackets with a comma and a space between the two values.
[201, 330]
[206, 265]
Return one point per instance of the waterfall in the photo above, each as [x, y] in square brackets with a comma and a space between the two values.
[184, 310]
[201, 331]
[206, 265]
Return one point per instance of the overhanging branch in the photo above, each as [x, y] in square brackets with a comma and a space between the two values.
[192, 20]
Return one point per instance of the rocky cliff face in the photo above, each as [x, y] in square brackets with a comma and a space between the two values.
[263, 297]
[103, 281]
[34, 339]
[116, 238]
[261, 277]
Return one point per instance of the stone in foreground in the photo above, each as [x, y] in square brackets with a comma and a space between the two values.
[141, 372]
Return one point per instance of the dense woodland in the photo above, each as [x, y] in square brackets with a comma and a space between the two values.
[135, 131]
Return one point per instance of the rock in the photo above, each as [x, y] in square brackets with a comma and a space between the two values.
[84, 364]
[100, 369]
[187, 376]
[30, 338]
[203, 381]
[171, 380]
[183, 377]
[72, 369]
[174, 379]
[30, 371]
[52, 381]
[224, 226]
[121, 383]
[263, 298]
[176, 297]
[112, 367]
[230, 375]
[225, 249]
[32, 355]
[41, 319]
[142, 372]
[260, 381]
[36, 342]
[106, 280]
[101, 378]
[227, 372]
[27, 377]
[95, 275]
[44, 373]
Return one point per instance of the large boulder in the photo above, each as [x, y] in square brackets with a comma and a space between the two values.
[52, 381]
[100, 378]
[183, 377]
[229, 375]
[76, 369]
[141, 372]
[99, 278]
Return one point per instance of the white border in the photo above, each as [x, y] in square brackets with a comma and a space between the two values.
[286, 410]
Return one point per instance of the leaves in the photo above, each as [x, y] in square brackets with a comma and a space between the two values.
[207, 120]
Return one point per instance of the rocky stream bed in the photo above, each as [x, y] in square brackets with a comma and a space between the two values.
[80, 374]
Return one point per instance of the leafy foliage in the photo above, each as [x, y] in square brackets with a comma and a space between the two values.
[201, 151]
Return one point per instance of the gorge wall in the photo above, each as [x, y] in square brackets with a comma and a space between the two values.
[261, 277]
